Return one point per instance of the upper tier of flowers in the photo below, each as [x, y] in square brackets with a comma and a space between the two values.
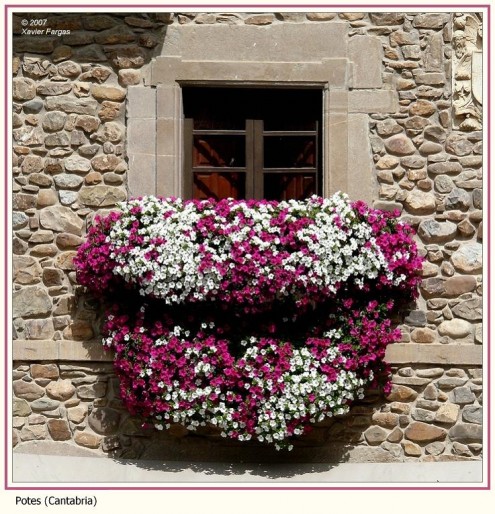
[247, 253]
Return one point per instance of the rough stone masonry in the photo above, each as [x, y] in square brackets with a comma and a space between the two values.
[70, 161]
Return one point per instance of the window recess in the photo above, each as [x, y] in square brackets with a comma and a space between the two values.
[252, 143]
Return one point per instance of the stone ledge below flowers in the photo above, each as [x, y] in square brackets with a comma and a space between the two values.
[47, 465]
[399, 353]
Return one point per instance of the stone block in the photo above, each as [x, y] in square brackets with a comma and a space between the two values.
[49, 371]
[110, 110]
[260, 19]
[116, 35]
[423, 415]
[373, 101]
[104, 163]
[59, 429]
[468, 259]
[366, 53]
[65, 261]
[463, 395]
[430, 20]
[142, 133]
[77, 414]
[101, 196]
[215, 42]
[61, 390]
[27, 390]
[61, 219]
[466, 432]
[359, 176]
[432, 231]
[65, 241]
[375, 435]
[23, 89]
[142, 174]
[92, 391]
[26, 270]
[31, 302]
[79, 330]
[422, 108]
[430, 372]
[435, 448]
[424, 433]
[420, 202]
[447, 413]
[44, 405]
[109, 93]
[473, 414]
[20, 407]
[71, 105]
[168, 179]
[454, 354]
[411, 449]
[401, 393]
[386, 419]
[87, 439]
[104, 420]
[458, 285]
[33, 433]
[125, 57]
[387, 18]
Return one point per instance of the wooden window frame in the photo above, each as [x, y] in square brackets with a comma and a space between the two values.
[255, 168]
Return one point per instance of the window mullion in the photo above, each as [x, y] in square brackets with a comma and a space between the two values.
[249, 159]
[187, 182]
[258, 152]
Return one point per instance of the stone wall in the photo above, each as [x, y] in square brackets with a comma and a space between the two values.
[432, 413]
[69, 161]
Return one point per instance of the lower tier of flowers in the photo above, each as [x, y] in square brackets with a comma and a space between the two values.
[263, 388]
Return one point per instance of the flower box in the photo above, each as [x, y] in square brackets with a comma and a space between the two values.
[259, 318]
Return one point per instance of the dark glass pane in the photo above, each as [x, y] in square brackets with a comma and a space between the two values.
[289, 152]
[287, 186]
[213, 109]
[219, 123]
[289, 123]
[219, 151]
[219, 185]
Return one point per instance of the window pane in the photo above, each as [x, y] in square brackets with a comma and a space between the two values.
[289, 152]
[287, 186]
[219, 151]
[214, 108]
[219, 185]
[219, 122]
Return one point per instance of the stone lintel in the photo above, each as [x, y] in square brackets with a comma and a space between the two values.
[442, 354]
[46, 350]
[400, 353]
[276, 42]
[331, 72]
[373, 101]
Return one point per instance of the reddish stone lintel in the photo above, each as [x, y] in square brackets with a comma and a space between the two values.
[400, 353]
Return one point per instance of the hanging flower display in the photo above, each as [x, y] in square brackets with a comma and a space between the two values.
[257, 317]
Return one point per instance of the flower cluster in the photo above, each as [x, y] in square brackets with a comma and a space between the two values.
[259, 387]
[259, 318]
[247, 252]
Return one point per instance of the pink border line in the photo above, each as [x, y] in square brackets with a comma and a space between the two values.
[454, 7]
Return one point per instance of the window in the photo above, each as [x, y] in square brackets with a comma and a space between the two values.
[252, 143]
